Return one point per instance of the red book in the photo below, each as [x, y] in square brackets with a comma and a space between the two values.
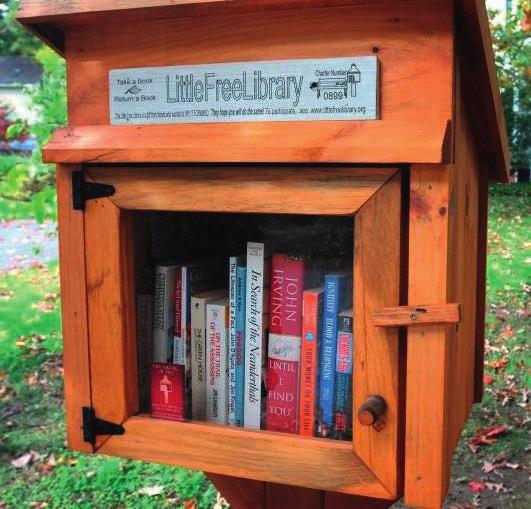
[285, 326]
[167, 391]
[312, 308]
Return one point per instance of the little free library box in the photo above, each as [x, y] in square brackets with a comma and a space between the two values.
[272, 221]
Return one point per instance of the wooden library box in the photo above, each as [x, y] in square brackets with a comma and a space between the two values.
[357, 138]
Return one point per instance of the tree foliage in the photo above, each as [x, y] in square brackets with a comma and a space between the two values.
[29, 179]
[512, 51]
[14, 39]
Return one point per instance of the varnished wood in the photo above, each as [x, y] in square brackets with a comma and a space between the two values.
[416, 315]
[463, 262]
[376, 349]
[481, 87]
[73, 310]
[111, 311]
[413, 121]
[481, 289]
[243, 189]
[340, 501]
[427, 459]
[281, 495]
[274, 457]
[50, 23]
[240, 493]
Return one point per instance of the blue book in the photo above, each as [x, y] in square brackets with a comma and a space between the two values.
[241, 279]
[337, 297]
[234, 263]
[343, 399]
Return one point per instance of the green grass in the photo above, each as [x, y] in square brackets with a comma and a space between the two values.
[31, 418]
[31, 412]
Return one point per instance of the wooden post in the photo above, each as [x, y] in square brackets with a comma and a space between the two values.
[427, 462]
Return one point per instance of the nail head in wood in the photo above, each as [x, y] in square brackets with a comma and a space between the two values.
[416, 315]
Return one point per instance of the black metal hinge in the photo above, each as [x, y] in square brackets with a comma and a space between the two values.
[92, 426]
[83, 190]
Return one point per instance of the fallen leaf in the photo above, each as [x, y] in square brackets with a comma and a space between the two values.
[476, 486]
[486, 437]
[488, 467]
[488, 379]
[151, 491]
[22, 461]
[513, 466]
[190, 504]
[496, 487]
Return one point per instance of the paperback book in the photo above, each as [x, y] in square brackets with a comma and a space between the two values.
[167, 391]
[256, 324]
[199, 337]
[163, 312]
[217, 404]
[234, 263]
[241, 276]
[337, 297]
[312, 309]
[343, 396]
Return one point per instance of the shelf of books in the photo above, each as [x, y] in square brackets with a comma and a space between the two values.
[249, 321]
[230, 321]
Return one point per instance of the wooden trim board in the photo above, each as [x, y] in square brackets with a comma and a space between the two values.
[377, 261]
[73, 309]
[274, 190]
[274, 457]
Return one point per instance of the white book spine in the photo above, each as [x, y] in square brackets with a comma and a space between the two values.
[255, 332]
[198, 358]
[217, 363]
[179, 340]
[234, 262]
[163, 312]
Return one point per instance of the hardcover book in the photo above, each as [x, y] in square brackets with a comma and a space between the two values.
[163, 312]
[234, 263]
[241, 275]
[312, 309]
[167, 391]
[285, 325]
[217, 361]
[256, 324]
[199, 333]
[343, 396]
[337, 297]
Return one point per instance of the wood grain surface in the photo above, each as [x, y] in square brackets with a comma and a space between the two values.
[285, 190]
[275, 457]
[111, 311]
[377, 261]
[415, 101]
[73, 309]
[427, 458]
[416, 315]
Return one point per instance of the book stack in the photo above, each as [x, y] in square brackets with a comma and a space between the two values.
[261, 351]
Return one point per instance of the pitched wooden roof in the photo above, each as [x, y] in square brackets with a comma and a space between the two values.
[47, 20]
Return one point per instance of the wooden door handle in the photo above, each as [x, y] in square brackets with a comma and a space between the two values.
[371, 412]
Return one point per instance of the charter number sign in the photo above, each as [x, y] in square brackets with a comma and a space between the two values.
[281, 90]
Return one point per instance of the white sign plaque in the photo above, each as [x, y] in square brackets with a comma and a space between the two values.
[281, 90]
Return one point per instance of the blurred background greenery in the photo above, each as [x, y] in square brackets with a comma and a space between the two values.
[37, 470]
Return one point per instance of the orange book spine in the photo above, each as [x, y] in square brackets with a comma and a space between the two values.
[312, 303]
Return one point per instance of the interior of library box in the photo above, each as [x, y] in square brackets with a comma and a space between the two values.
[296, 308]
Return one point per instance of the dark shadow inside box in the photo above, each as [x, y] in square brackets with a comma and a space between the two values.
[188, 236]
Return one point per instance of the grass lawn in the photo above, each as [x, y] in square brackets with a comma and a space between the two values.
[48, 475]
